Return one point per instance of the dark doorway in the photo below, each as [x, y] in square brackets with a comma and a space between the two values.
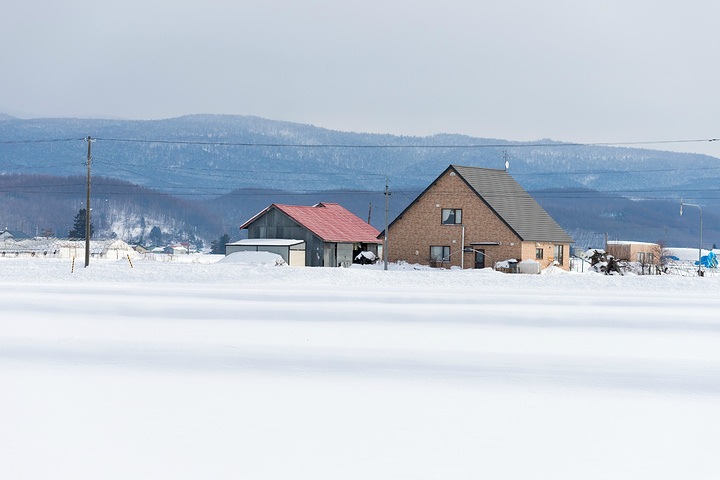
[479, 258]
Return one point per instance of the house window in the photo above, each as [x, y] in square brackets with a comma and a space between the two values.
[538, 254]
[641, 257]
[439, 254]
[451, 216]
[559, 254]
[649, 258]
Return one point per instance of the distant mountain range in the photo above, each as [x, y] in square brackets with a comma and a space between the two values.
[227, 166]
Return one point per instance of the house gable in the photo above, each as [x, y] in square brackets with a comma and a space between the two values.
[483, 210]
[274, 223]
[420, 226]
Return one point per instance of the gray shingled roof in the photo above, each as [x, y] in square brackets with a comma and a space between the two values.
[513, 204]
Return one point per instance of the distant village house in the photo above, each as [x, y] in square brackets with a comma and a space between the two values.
[12, 235]
[641, 252]
[64, 248]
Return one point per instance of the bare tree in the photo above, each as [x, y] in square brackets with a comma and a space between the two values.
[660, 257]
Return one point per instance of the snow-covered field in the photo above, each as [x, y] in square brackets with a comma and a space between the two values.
[236, 371]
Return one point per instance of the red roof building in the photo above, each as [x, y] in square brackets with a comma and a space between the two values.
[333, 235]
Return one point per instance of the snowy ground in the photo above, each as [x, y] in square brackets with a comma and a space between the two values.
[230, 370]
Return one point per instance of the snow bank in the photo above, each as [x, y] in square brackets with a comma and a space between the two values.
[254, 258]
[554, 270]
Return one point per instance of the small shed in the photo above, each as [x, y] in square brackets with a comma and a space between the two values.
[292, 251]
[176, 250]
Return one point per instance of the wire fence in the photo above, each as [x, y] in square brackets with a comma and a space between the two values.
[675, 267]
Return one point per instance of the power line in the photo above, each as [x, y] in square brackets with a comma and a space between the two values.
[603, 172]
[218, 172]
[50, 140]
[416, 146]
[31, 167]
[411, 194]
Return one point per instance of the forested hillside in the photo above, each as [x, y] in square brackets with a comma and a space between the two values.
[215, 154]
[37, 203]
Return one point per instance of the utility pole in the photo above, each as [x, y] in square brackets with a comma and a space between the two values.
[700, 273]
[369, 213]
[385, 237]
[462, 248]
[87, 206]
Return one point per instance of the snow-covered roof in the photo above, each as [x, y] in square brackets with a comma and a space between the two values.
[14, 234]
[264, 242]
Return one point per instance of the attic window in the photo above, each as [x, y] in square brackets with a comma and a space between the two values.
[451, 216]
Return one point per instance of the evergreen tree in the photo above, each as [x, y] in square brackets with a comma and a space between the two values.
[218, 246]
[78, 230]
[225, 239]
[155, 236]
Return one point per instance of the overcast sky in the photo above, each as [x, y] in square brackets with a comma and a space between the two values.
[580, 71]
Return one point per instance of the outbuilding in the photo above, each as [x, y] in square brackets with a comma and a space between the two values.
[292, 251]
[332, 235]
